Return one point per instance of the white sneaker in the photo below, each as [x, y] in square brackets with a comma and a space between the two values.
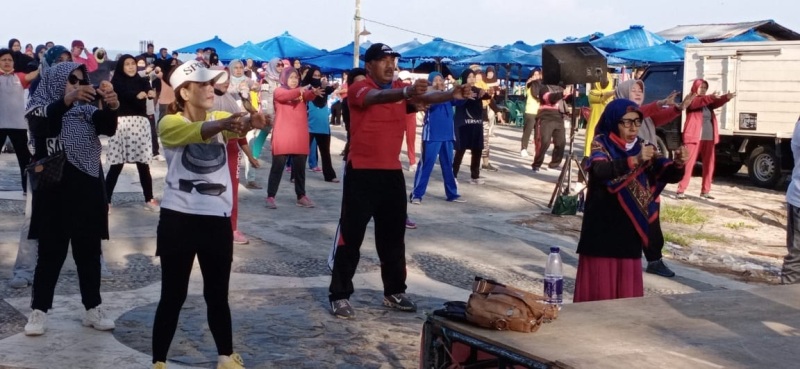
[153, 206]
[18, 282]
[477, 181]
[36, 323]
[159, 157]
[524, 153]
[96, 318]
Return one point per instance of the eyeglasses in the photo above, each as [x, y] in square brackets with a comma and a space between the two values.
[627, 123]
[204, 187]
[74, 80]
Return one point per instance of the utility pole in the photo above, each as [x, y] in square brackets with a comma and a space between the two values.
[357, 34]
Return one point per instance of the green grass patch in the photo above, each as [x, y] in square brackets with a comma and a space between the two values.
[676, 239]
[684, 214]
[738, 226]
[709, 237]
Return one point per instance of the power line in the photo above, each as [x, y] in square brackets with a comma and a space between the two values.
[422, 34]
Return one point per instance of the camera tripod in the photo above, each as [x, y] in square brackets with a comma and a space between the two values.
[565, 178]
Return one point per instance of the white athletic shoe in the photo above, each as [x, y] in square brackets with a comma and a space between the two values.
[96, 318]
[36, 323]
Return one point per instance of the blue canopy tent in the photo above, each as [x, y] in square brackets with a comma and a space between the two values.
[286, 46]
[538, 47]
[362, 48]
[749, 36]
[493, 56]
[333, 63]
[522, 46]
[413, 44]
[689, 40]
[438, 49]
[248, 50]
[216, 43]
[635, 37]
[667, 52]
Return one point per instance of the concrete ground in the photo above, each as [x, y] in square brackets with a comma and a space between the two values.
[279, 283]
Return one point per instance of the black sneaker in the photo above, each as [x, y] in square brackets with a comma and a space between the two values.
[659, 268]
[707, 196]
[343, 309]
[399, 301]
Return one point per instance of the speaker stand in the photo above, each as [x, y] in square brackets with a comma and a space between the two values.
[565, 178]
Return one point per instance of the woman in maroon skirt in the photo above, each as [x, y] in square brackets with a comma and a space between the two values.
[626, 175]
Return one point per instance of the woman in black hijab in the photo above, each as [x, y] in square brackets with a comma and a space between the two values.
[21, 61]
[132, 143]
[319, 129]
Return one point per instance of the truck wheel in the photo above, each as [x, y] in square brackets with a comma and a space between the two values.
[763, 167]
[726, 169]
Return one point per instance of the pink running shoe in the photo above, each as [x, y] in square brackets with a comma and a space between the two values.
[305, 202]
[239, 238]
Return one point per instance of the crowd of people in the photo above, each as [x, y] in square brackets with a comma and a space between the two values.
[204, 118]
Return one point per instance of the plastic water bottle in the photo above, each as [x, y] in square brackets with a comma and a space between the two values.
[553, 277]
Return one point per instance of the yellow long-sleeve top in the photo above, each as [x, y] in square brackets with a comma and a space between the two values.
[198, 181]
[597, 103]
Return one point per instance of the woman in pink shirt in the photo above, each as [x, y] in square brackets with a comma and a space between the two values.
[290, 136]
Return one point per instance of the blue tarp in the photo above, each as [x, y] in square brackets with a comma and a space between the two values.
[592, 37]
[635, 37]
[216, 43]
[287, 46]
[334, 63]
[248, 50]
[413, 44]
[439, 48]
[748, 36]
[667, 52]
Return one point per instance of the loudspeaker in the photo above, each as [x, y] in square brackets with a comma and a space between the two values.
[572, 63]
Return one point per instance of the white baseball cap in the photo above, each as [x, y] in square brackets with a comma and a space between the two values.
[195, 71]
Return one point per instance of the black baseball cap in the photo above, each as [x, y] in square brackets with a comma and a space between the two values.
[379, 51]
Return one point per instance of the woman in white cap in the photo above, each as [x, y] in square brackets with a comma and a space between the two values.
[196, 207]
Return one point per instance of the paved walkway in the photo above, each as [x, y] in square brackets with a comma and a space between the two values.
[279, 285]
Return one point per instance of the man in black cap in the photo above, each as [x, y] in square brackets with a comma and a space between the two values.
[374, 186]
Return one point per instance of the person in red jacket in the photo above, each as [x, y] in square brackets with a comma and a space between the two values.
[700, 134]
[78, 52]
[290, 135]
[374, 186]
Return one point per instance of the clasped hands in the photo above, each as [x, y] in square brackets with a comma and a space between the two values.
[242, 122]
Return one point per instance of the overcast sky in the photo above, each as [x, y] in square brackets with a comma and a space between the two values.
[328, 24]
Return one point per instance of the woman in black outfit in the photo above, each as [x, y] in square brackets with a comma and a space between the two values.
[468, 120]
[73, 211]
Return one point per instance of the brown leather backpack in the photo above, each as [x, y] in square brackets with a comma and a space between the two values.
[497, 306]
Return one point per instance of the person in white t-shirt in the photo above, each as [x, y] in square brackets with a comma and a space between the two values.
[196, 207]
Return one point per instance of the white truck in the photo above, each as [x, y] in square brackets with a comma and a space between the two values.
[756, 127]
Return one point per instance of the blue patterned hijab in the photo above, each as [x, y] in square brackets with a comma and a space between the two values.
[78, 136]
